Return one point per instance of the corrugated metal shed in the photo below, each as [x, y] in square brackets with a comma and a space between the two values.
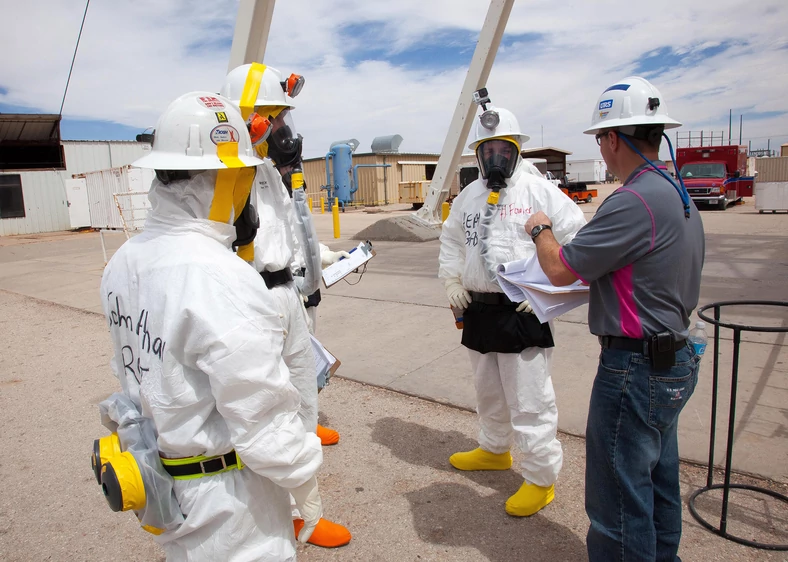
[46, 207]
[379, 186]
[771, 169]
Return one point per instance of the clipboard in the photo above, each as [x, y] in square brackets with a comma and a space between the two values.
[325, 361]
[359, 255]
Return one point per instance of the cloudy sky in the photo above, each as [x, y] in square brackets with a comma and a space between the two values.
[381, 67]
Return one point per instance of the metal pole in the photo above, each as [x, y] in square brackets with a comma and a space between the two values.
[252, 25]
[731, 421]
[385, 183]
[730, 117]
[741, 119]
[478, 72]
[714, 385]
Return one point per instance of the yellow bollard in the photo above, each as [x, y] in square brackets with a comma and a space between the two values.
[309, 204]
[322, 206]
[445, 211]
[335, 213]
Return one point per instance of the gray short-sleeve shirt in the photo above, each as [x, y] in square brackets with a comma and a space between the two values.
[642, 257]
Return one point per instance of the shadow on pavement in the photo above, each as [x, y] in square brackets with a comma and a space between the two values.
[456, 515]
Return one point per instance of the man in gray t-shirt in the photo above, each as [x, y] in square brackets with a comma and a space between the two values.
[642, 256]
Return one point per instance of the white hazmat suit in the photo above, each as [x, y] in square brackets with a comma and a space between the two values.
[198, 343]
[514, 391]
[275, 248]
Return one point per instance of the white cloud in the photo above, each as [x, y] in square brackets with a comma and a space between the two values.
[135, 57]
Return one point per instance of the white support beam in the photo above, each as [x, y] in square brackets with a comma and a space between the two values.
[478, 73]
[251, 32]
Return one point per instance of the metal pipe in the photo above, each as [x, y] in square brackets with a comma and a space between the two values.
[354, 187]
[385, 184]
[329, 156]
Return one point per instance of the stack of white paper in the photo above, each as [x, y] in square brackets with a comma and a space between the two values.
[324, 361]
[524, 280]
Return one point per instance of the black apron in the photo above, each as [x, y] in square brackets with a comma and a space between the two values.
[500, 328]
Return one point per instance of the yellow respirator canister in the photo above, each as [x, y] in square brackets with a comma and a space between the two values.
[103, 450]
[121, 482]
[128, 468]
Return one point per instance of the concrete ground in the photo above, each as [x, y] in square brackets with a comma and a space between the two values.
[388, 479]
[392, 330]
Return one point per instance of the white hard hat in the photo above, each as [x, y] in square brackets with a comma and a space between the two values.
[507, 126]
[630, 102]
[258, 85]
[200, 131]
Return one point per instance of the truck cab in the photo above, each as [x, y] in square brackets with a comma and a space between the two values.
[715, 175]
[548, 175]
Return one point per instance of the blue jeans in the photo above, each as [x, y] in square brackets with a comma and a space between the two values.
[632, 460]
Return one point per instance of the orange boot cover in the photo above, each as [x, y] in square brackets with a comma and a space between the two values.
[327, 436]
[326, 533]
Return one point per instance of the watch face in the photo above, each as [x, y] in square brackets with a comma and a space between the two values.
[537, 229]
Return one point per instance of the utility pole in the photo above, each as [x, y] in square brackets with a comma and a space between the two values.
[730, 122]
[741, 118]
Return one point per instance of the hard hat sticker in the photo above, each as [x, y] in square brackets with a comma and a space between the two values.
[210, 102]
[221, 117]
[605, 104]
[224, 133]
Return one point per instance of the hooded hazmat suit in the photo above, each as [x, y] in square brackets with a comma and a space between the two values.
[198, 343]
[514, 391]
[275, 248]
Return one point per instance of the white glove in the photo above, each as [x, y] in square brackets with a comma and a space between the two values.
[327, 257]
[309, 505]
[526, 306]
[458, 296]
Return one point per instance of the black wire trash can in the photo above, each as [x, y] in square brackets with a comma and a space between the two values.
[726, 486]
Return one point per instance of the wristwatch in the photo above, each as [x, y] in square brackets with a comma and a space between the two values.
[539, 228]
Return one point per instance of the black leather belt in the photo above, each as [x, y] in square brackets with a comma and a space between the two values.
[274, 278]
[208, 466]
[636, 346]
[490, 298]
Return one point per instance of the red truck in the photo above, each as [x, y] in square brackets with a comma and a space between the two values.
[715, 175]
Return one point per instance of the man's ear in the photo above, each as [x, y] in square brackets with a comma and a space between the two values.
[614, 140]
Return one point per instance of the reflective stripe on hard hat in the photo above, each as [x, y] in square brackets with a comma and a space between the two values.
[251, 88]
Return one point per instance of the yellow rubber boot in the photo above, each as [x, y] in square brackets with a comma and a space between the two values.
[479, 459]
[326, 534]
[327, 436]
[529, 499]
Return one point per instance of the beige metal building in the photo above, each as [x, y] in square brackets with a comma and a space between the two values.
[381, 186]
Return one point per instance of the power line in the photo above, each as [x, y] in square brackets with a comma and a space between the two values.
[74, 58]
